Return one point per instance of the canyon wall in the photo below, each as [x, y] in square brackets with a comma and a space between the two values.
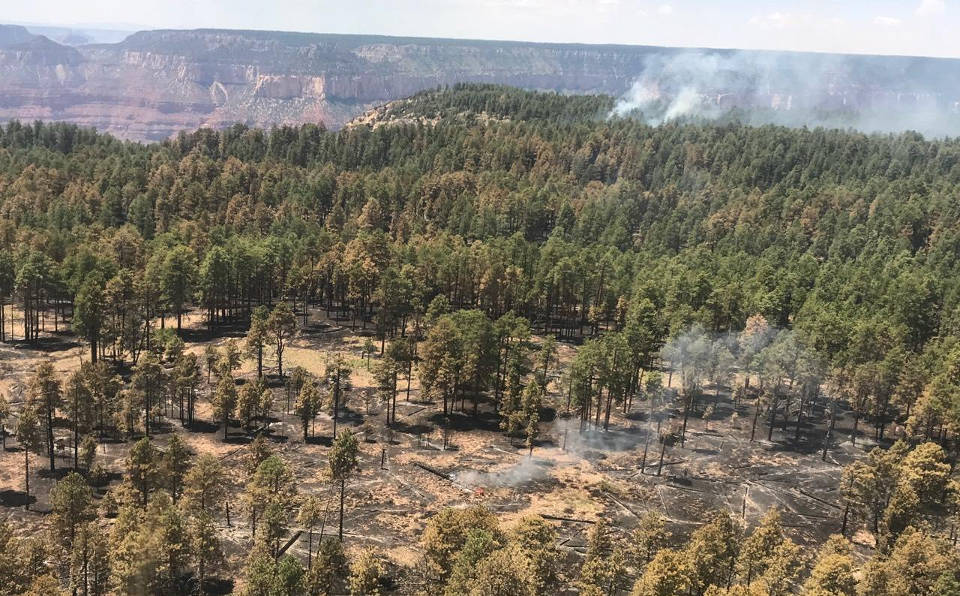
[155, 83]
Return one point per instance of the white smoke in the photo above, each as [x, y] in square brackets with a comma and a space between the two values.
[688, 84]
[527, 470]
[866, 93]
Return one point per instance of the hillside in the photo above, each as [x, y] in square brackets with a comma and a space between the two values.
[156, 83]
[482, 341]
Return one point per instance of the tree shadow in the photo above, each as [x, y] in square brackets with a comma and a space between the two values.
[232, 329]
[16, 498]
[201, 426]
[104, 479]
[548, 414]
[214, 587]
[58, 474]
[346, 415]
[47, 344]
[273, 381]
[413, 429]
[460, 422]
[320, 440]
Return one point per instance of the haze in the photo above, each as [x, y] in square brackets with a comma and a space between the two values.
[911, 27]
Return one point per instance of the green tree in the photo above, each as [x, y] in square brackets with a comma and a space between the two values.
[440, 362]
[204, 485]
[343, 461]
[337, 373]
[366, 574]
[258, 336]
[249, 400]
[149, 383]
[28, 435]
[70, 501]
[312, 512]
[88, 314]
[45, 395]
[173, 467]
[90, 561]
[281, 327]
[272, 484]
[647, 539]
[177, 276]
[833, 570]
[225, 402]
[667, 574]
[309, 403]
[204, 546]
[329, 569]
[143, 468]
[79, 405]
[446, 534]
[604, 568]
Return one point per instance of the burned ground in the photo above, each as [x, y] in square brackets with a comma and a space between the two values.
[574, 475]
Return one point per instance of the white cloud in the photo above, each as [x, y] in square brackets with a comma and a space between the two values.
[665, 10]
[777, 20]
[789, 20]
[929, 8]
[887, 21]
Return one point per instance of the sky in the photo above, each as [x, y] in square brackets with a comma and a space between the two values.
[906, 27]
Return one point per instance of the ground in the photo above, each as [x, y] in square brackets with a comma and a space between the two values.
[572, 477]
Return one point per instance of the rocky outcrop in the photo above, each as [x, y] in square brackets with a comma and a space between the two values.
[156, 83]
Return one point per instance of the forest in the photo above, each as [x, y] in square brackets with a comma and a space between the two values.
[480, 277]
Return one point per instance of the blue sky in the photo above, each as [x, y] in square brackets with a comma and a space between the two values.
[914, 27]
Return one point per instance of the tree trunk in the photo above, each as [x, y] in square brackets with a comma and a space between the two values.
[310, 549]
[686, 416]
[26, 476]
[663, 447]
[343, 483]
[50, 451]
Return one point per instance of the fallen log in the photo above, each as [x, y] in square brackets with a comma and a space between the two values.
[433, 471]
[566, 519]
[818, 499]
[447, 477]
[290, 542]
[622, 504]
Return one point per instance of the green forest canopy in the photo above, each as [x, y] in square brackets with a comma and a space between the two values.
[506, 201]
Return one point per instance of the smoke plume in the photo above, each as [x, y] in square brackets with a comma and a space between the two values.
[868, 93]
[527, 470]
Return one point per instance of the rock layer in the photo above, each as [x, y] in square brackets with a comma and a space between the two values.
[156, 83]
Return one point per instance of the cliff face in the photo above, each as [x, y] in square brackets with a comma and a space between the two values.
[156, 83]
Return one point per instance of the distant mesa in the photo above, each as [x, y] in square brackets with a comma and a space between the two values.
[153, 84]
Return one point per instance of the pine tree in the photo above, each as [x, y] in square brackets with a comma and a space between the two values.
[366, 574]
[309, 403]
[281, 326]
[203, 485]
[225, 401]
[343, 461]
[143, 468]
[28, 435]
[45, 396]
[258, 336]
[173, 467]
[71, 501]
[204, 546]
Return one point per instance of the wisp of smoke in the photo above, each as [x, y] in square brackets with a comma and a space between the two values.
[869, 93]
[527, 470]
[567, 435]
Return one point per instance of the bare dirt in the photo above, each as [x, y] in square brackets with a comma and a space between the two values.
[573, 477]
